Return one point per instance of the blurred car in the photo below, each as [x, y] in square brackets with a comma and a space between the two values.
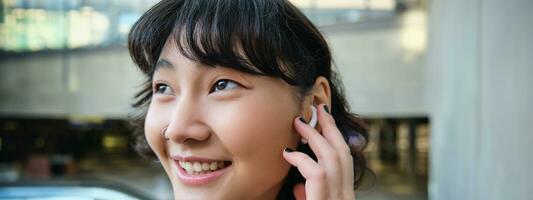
[69, 190]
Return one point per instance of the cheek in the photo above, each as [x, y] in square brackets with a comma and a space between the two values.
[255, 133]
[258, 130]
[153, 125]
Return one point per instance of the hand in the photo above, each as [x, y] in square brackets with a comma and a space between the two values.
[332, 177]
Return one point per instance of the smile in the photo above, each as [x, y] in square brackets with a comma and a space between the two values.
[197, 168]
[197, 171]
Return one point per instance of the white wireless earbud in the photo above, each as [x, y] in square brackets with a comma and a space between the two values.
[314, 117]
[312, 122]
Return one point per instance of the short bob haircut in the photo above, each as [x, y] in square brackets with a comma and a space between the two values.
[259, 37]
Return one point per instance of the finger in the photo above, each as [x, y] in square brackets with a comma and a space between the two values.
[333, 135]
[314, 174]
[305, 164]
[299, 191]
[326, 154]
[331, 132]
[320, 146]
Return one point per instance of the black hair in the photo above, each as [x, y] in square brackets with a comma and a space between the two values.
[260, 37]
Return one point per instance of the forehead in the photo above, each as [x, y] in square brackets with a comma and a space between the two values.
[171, 58]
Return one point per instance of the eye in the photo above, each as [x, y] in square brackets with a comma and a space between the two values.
[162, 89]
[224, 84]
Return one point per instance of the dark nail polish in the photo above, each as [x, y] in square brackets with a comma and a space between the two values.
[302, 119]
[326, 108]
[288, 150]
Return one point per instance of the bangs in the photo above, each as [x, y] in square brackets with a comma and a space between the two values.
[233, 35]
[266, 37]
[249, 36]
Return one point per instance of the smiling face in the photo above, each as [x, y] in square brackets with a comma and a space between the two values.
[225, 129]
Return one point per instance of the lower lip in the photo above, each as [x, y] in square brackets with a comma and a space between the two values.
[199, 179]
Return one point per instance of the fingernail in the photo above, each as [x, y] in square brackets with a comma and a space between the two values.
[326, 108]
[302, 120]
[288, 150]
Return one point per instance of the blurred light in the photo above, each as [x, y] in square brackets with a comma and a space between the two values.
[346, 4]
[382, 5]
[79, 119]
[413, 35]
[422, 142]
[36, 29]
[402, 143]
[402, 189]
[113, 142]
[61, 193]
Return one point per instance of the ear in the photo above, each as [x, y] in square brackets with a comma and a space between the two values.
[321, 93]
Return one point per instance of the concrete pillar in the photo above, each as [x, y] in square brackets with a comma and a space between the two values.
[480, 98]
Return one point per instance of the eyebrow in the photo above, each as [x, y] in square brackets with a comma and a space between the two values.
[164, 64]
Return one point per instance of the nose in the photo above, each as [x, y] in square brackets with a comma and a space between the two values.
[186, 124]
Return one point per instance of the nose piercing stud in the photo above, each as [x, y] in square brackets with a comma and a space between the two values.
[163, 133]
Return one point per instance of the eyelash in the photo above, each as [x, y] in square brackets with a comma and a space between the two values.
[228, 81]
[157, 87]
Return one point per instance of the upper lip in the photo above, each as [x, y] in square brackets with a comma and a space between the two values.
[194, 159]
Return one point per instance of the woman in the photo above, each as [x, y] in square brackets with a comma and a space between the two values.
[231, 86]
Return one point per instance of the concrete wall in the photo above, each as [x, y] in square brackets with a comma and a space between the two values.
[480, 82]
[89, 83]
[383, 75]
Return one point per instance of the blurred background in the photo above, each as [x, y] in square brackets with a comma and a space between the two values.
[445, 87]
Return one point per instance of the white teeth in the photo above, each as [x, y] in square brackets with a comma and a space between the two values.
[213, 166]
[201, 167]
[197, 167]
[205, 166]
[188, 167]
